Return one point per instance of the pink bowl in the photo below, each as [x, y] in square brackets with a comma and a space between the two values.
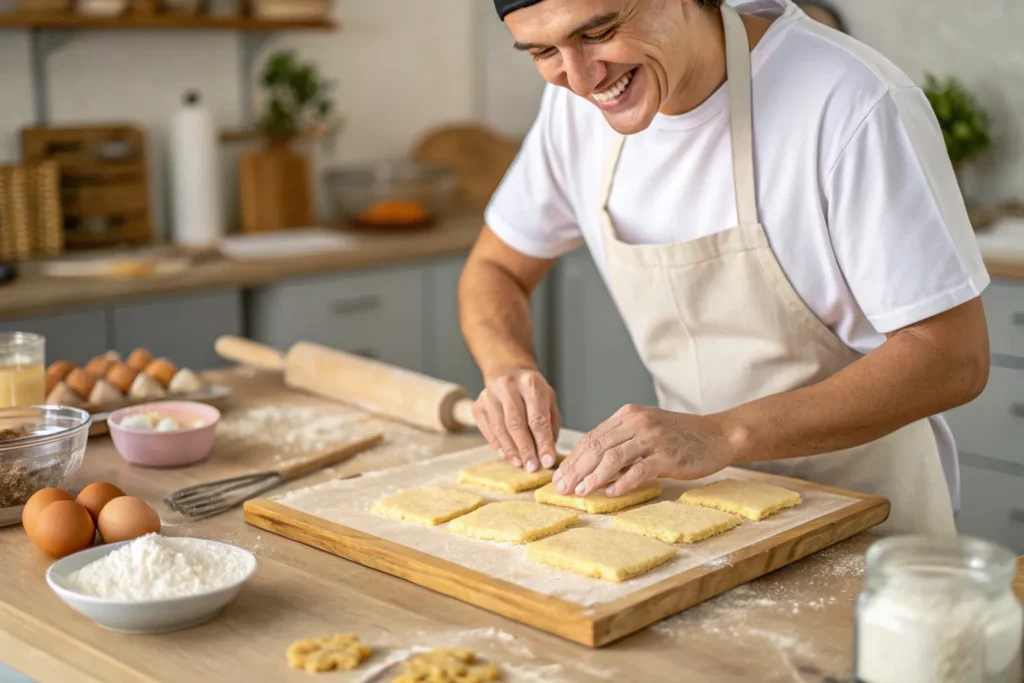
[166, 449]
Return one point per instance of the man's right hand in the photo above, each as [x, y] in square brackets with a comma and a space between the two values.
[517, 413]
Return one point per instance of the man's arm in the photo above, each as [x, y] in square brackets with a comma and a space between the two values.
[517, 412]
[919, 371]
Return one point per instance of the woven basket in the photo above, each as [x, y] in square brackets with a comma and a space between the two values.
[31, 218]
[181, 6]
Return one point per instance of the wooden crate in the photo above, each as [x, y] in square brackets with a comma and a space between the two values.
[105, 195]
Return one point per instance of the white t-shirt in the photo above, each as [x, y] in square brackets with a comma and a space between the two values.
[854, 185]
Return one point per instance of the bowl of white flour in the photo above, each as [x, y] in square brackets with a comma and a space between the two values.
[153, 584]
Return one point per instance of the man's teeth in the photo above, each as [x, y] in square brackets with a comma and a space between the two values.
[613, 93]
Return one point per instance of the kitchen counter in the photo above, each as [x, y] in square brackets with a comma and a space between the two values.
[794, 625]
[35, 294]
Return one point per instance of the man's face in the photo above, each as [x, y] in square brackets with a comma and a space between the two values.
[628, 57]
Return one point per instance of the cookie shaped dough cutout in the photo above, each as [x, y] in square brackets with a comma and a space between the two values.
[751, 499]
[428, 506]
[452, 665]
[341, 651]
[675, 523]
[597, 502]
[600, 553]
[513, 522]
[501, 475]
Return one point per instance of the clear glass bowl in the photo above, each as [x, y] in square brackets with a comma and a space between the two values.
[48, 456]
[390, 193]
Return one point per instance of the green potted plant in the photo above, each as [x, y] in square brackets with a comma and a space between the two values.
[965, 126]
[275, 182]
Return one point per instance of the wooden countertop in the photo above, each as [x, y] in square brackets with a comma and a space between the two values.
[35, 294]
[795, 624]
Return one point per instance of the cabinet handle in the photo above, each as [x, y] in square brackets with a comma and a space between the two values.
[356, 304]
[1017, 409]
[1018, 319]
[1017, 515]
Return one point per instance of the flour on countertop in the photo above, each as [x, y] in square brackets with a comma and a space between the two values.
[156, 567]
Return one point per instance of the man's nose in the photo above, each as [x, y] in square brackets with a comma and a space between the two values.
[583, 74]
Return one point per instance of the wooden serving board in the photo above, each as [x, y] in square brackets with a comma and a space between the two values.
[543, 597]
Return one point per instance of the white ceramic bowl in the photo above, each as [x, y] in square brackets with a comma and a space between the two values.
[143, 616]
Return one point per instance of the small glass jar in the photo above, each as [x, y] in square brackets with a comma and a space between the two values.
[22, 369]
[938, 610]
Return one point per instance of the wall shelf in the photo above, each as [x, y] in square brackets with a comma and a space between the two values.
[70, 21]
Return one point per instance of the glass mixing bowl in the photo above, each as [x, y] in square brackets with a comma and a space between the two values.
[40, 447]
[390, 193]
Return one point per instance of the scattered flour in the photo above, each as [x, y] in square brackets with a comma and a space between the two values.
[293, 429]
[155, 567]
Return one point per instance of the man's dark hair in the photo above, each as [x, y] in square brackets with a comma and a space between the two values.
[709, 3]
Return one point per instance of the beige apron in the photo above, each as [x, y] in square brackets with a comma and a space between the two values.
[718, 324]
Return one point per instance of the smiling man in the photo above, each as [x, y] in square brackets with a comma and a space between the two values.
[772, 207]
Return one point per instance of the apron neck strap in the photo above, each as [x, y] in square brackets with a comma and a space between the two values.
[737, 63]
[741, 120]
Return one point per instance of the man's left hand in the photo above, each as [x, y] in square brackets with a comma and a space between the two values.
[640, 443]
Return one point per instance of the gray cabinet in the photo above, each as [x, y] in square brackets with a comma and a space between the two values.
[182, 328]
[376, 312]
[993, 506]
[598, 368]
[76, 335]
[448, 356]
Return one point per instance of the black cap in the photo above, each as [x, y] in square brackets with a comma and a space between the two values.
[506, 7]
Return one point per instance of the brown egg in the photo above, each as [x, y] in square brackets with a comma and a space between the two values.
[57, 372]
[127, 517]
[62, 528]
[99, 366]
[39, 500]
[94, 497]
[121, 377]
[139, 359]
[162, 370]
[63, 395]
[81, 381]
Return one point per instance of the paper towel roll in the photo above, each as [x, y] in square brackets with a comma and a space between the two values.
[195, 175]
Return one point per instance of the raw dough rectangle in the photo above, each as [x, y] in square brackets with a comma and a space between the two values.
[428, 506]
[598, 501]
[600, 553]
[751, 499]
[671, 522]
[513, 521]
[503, 476]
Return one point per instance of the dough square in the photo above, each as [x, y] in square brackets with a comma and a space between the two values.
[671, 522]
[600, 553]
[513, 521]
[503, 476]
[751, 499]
[429, 506]
[598, 501]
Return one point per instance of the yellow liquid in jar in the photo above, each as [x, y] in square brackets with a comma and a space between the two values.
[22, 385]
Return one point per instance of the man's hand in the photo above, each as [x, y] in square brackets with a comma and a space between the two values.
[638, 444]
[518, 415]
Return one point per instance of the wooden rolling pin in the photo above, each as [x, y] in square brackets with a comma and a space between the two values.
[373, 386]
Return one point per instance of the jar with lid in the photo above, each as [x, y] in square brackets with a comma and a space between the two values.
[22, 371]
[938, 610]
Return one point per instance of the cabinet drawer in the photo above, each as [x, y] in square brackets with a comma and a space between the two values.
[1004, 311]
[182, 328]
[76, 335]
[992, 507]
[373, 313]
[993, 424]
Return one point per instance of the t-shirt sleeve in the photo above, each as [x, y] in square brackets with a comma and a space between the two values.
[530, 211]
[897, 219]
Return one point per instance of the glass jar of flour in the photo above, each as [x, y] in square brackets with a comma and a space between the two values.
[938, 610]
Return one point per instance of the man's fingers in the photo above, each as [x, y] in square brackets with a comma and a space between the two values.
[583, 446]
[614, 461]
[589, 453]
[538, 417]
[483, 424]
[496, 420]
[516, 422]
[641, 472]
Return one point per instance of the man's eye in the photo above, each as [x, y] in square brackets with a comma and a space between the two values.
[543, 54]
[599, 37]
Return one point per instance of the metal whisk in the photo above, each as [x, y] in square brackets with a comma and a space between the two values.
[212, 498]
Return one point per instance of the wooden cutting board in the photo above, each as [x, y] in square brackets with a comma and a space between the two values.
[335, 518]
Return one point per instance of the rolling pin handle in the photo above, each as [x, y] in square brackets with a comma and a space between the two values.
[247, 352]
[463, 412]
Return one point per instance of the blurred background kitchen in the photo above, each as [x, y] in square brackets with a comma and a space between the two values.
[177, 170]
